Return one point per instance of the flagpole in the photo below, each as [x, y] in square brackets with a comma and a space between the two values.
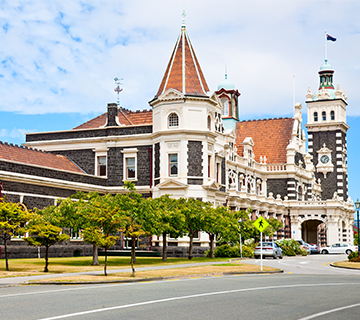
[325, 46]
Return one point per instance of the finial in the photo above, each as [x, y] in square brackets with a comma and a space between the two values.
[225, 72]
[183, 15]
[118, 89]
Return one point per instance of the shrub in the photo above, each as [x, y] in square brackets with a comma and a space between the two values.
[353, 255]
[291, 247]
[250, 242]
[247, 251]
[288, 251]
[226, 251]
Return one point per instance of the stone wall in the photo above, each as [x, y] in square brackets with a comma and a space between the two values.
[89, 133]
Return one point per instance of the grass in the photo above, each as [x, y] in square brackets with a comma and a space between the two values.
[348, 264]
[166, 273]
[27, 267]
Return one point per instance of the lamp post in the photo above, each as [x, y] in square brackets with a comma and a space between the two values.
[357, 206]
[240, 236]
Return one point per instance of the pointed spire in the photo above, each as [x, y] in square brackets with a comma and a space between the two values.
[183, 72]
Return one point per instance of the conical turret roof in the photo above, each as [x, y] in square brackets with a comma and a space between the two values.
[183, 72]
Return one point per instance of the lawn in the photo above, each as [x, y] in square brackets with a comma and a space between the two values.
[35, 266]
[347, 264]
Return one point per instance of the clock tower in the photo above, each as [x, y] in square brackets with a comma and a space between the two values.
[327, 129]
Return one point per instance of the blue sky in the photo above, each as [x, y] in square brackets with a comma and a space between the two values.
[58, 58]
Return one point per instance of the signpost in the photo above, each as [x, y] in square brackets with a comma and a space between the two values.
[261, 224]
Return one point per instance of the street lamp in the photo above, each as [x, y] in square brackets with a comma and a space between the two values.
[357, 206]
[240, 236]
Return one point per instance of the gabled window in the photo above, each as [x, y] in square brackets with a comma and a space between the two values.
[315, 116]
[332, 115]
[173, 165]
[323, 115]
[173, 120]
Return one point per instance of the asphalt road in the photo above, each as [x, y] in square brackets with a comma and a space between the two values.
[312, 264]
[309, 295]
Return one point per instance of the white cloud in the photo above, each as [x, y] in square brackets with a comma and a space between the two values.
[62, 56]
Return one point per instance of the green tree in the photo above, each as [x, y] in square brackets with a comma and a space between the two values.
[273, 227]
[73, 213]
[43, 231]
[192, 211]
[105, 219]
[140, 217]
[220, 224]
[13, 216]
[168, 220]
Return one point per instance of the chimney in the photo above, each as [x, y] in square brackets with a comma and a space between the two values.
[112, 114]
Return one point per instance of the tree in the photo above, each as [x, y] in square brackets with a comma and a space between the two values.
[141, 217]
[274, 225]
[73, 213]
[168, 220]
[192, 211]
[13, 216]
[43, 231]
[105, 217]
[220, 224]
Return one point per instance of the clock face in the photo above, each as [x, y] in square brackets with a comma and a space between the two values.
[324, 159]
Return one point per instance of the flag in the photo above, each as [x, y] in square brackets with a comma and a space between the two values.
[329, 37]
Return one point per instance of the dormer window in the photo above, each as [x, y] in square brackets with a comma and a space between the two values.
[315, 116]
[173, 120]
[323, 115]
[225, 105]
[332, 115]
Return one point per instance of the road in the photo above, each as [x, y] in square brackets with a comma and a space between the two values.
[308, 292]
[312, 264]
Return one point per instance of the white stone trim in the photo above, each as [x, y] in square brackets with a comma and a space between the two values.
[338, 142]
[338, 134]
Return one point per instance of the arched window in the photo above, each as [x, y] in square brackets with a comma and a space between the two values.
[315, 117]
[209, 122]
[332, 115]
[323, 115]
[173, 120]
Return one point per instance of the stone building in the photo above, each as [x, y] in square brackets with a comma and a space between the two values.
[191, 143]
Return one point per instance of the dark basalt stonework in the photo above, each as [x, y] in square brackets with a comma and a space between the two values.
[89, 133]
[195, 159]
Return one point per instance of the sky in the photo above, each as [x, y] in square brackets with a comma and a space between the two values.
[58, 58]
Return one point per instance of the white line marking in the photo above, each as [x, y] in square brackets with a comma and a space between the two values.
[330, 311]
[190, 297]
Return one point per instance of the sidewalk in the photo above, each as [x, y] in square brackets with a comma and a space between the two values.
[19, 280]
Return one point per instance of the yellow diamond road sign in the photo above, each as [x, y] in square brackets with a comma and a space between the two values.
[261, 224]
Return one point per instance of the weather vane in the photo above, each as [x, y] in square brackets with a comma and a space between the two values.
[118, 89]
[183, 15]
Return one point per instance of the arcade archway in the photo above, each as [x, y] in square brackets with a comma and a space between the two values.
[314, 231]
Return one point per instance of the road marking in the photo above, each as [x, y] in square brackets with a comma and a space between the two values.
[290, 272]
[194, 296]
[330, 311]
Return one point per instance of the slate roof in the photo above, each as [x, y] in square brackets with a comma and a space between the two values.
[126, 117]
[27, 155]
[271, 137]
[183, 72]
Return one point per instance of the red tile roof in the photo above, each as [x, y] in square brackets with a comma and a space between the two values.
[183, 72]
[271, 137]
[126, 117]
[35, 157]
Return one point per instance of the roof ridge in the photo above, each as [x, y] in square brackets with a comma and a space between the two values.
[23, 147]
[265, 119]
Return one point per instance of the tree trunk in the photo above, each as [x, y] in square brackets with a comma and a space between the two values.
[105, 262]
[164, 255]
[46, 259]
[6, 255]
[212, 238]
[191, 245]
[95, 261]
[133, 257]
